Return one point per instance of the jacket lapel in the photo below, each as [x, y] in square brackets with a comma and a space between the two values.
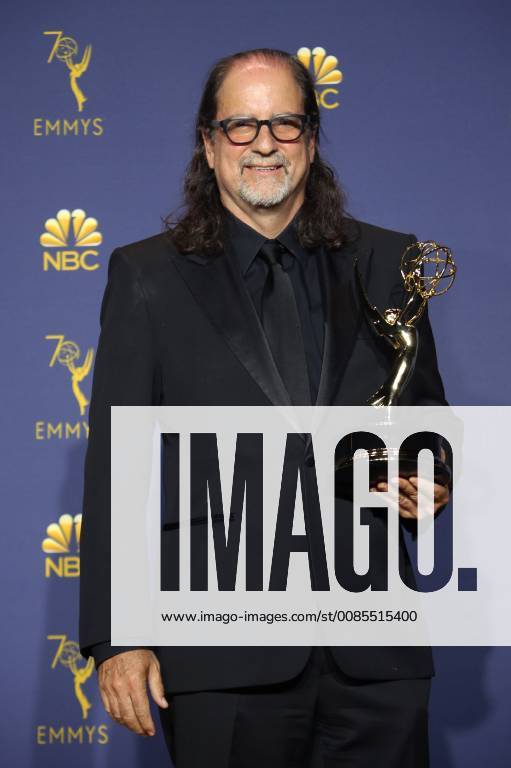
[220, 291]
[342, 315]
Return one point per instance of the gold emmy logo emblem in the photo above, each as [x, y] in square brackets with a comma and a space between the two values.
[325, 72]
[68, 654]
[67, 353]
[65, 49]
[71, 228]
[58, 543]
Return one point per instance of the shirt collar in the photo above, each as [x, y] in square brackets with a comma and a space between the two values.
[246, 241]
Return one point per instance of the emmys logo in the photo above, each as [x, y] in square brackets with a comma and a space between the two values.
[71, 228]
[67, 354]
[68, 657]
[325, 73]
[61, 538]
[65, 52]
[65, 49]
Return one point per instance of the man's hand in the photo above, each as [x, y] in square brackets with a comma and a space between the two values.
[122, 684]
[409, 494]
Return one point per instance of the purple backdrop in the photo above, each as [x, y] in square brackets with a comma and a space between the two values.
[420, 140]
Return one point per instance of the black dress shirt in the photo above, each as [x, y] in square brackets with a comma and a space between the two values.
[243, 243]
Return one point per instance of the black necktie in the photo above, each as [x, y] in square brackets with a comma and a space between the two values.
[281, 323]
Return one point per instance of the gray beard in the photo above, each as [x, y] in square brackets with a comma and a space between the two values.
[266, 199]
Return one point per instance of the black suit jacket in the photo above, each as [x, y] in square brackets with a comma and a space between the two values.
[181, 330]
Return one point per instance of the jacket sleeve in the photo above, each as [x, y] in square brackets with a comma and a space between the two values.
[126, 372]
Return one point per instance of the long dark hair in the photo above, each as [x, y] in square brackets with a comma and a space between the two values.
[321, 220]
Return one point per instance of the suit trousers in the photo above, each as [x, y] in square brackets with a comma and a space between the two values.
[319, 719]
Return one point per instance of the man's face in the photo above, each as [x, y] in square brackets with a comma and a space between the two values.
[265, 173]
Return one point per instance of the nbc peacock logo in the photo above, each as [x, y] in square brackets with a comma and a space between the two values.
[70, 240]
[326, 74]
[62, 547]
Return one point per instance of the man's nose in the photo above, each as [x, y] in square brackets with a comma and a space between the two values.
[265, 142]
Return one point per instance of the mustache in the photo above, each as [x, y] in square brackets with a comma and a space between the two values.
[254, 159]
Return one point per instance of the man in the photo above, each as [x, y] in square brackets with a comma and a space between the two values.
[249, 300]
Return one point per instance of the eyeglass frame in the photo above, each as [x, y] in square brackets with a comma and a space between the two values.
[306, 120]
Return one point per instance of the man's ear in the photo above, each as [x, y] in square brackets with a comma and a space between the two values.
[209, 147]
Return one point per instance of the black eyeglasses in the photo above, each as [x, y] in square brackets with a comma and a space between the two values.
[244, 130]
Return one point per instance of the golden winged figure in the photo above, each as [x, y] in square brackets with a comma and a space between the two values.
[397, 325]
[78, 374]
[80, 676]
[76, 71]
